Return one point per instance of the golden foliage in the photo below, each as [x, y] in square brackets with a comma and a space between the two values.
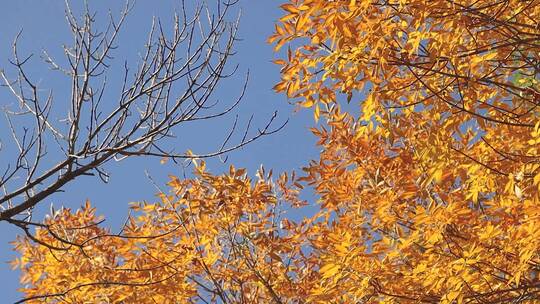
[436, 178]
[213, 237]
[430, 194]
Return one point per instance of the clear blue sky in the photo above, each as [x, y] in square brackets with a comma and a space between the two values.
[44, 27]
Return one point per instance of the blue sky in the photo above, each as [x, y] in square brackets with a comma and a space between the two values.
[44, 27]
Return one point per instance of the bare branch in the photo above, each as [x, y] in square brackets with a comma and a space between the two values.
[191, 60]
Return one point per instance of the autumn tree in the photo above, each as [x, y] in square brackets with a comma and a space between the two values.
[430, 194]
[434, 187]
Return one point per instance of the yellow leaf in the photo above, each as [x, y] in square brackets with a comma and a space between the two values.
[451, 296]
[301, 22]
[308, 103]
[290, 8]
[329, 270]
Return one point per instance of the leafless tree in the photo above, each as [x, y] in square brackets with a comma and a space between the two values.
[96, 130]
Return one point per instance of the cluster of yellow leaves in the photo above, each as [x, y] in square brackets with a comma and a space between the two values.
[416, 235]
[213, 237]
[431, 194]
[435, 182]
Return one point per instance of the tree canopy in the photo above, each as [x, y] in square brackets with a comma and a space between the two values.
[428, 179]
